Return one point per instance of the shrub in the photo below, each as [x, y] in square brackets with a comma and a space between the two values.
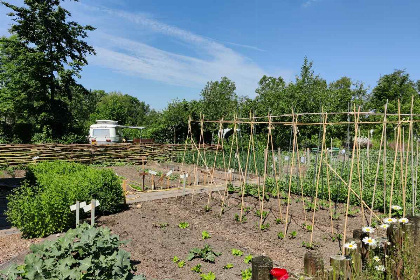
[82, 253]
[41, 206]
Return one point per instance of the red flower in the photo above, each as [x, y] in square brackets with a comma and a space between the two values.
[279, 273]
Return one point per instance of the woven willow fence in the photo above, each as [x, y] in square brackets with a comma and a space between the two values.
[21, 154]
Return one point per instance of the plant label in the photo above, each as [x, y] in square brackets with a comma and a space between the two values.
[169, 173]
[73, 207]
[83, 204]
[303, 159]
[151, 172]
[286, 158]
[88, 207]
[182, 176]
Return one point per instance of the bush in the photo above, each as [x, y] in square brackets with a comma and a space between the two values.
[41, 206]
[82, 253]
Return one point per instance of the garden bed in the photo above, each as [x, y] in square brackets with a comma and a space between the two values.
[156, 238]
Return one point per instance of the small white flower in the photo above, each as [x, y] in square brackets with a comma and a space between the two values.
[369, 241]
[351, 245]
[380, 268]
[376, 259]
[396, 207]
[368, 229]
[390, 220]
[384, 226]
[403, 220]
[35, 158]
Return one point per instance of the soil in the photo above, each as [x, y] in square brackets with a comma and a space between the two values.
[155, 237]
[153, 246]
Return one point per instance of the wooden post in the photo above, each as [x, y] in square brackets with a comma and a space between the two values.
[313, 263]
[92, 212]
[261, 267]
[77, 213]
[124, 188]
[355, 256]
[341, 269]
[358, 235]
[415, 229]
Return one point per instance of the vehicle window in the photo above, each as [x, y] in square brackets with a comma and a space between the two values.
[101, 133]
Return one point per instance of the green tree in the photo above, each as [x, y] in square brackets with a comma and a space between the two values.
[124, 108]
[393, 87]
[41, 61]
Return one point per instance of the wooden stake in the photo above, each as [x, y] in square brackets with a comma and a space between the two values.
[124, 188]
[356, 120]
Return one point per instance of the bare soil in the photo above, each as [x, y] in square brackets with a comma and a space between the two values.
[153, 246]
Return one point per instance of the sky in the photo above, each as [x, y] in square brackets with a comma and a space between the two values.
[161, 50]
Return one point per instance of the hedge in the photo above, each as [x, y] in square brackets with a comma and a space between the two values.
[41, 205]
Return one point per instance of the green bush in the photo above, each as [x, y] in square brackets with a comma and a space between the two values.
[82, 253]
[41, 206]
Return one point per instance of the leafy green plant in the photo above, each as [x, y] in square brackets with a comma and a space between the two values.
[336, 216]
[307, 245]
[41, 206]
[208, 276]
[82, 253]
[279, 221]
[175, 259]
[206, 253]
[228, 266]
[184, 225]
[248, 259]
[353, 212]
[280, 235]
[337, 237]
[237, 252]
[246, 274]
[293, 234]
[181, 264]
[264, 227]
[196, 268]
[207, 208]
[238, 219]
[307, 227]
[205, 235]
[264, 214]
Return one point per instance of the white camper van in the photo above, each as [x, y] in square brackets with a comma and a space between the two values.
[104, 132]
[107, 132]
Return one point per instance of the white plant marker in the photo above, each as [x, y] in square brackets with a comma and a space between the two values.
[91, 207]
[169, 173]
[184, 176]
[76, 207]
[153, 173]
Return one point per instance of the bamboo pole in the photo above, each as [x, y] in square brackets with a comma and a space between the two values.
[395, 162]
[290, 176]
[356, 119]
[318, 176]
[378, 165]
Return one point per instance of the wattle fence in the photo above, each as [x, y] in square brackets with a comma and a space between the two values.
[22, 154]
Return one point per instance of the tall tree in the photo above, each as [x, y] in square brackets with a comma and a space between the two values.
[42, 60]
[124, 108]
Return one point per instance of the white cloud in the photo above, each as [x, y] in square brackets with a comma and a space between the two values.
[308, 3]
[205, 59]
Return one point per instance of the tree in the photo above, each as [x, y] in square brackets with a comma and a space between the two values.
[218, 99]
[393, 87]
[41, 61]
[124, 108]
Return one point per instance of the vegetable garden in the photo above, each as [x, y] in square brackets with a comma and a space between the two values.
[297, 199]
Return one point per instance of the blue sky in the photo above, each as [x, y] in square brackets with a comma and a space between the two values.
[161, 50]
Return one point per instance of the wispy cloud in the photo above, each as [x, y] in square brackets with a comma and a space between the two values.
[308, 3]
[203, 59]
